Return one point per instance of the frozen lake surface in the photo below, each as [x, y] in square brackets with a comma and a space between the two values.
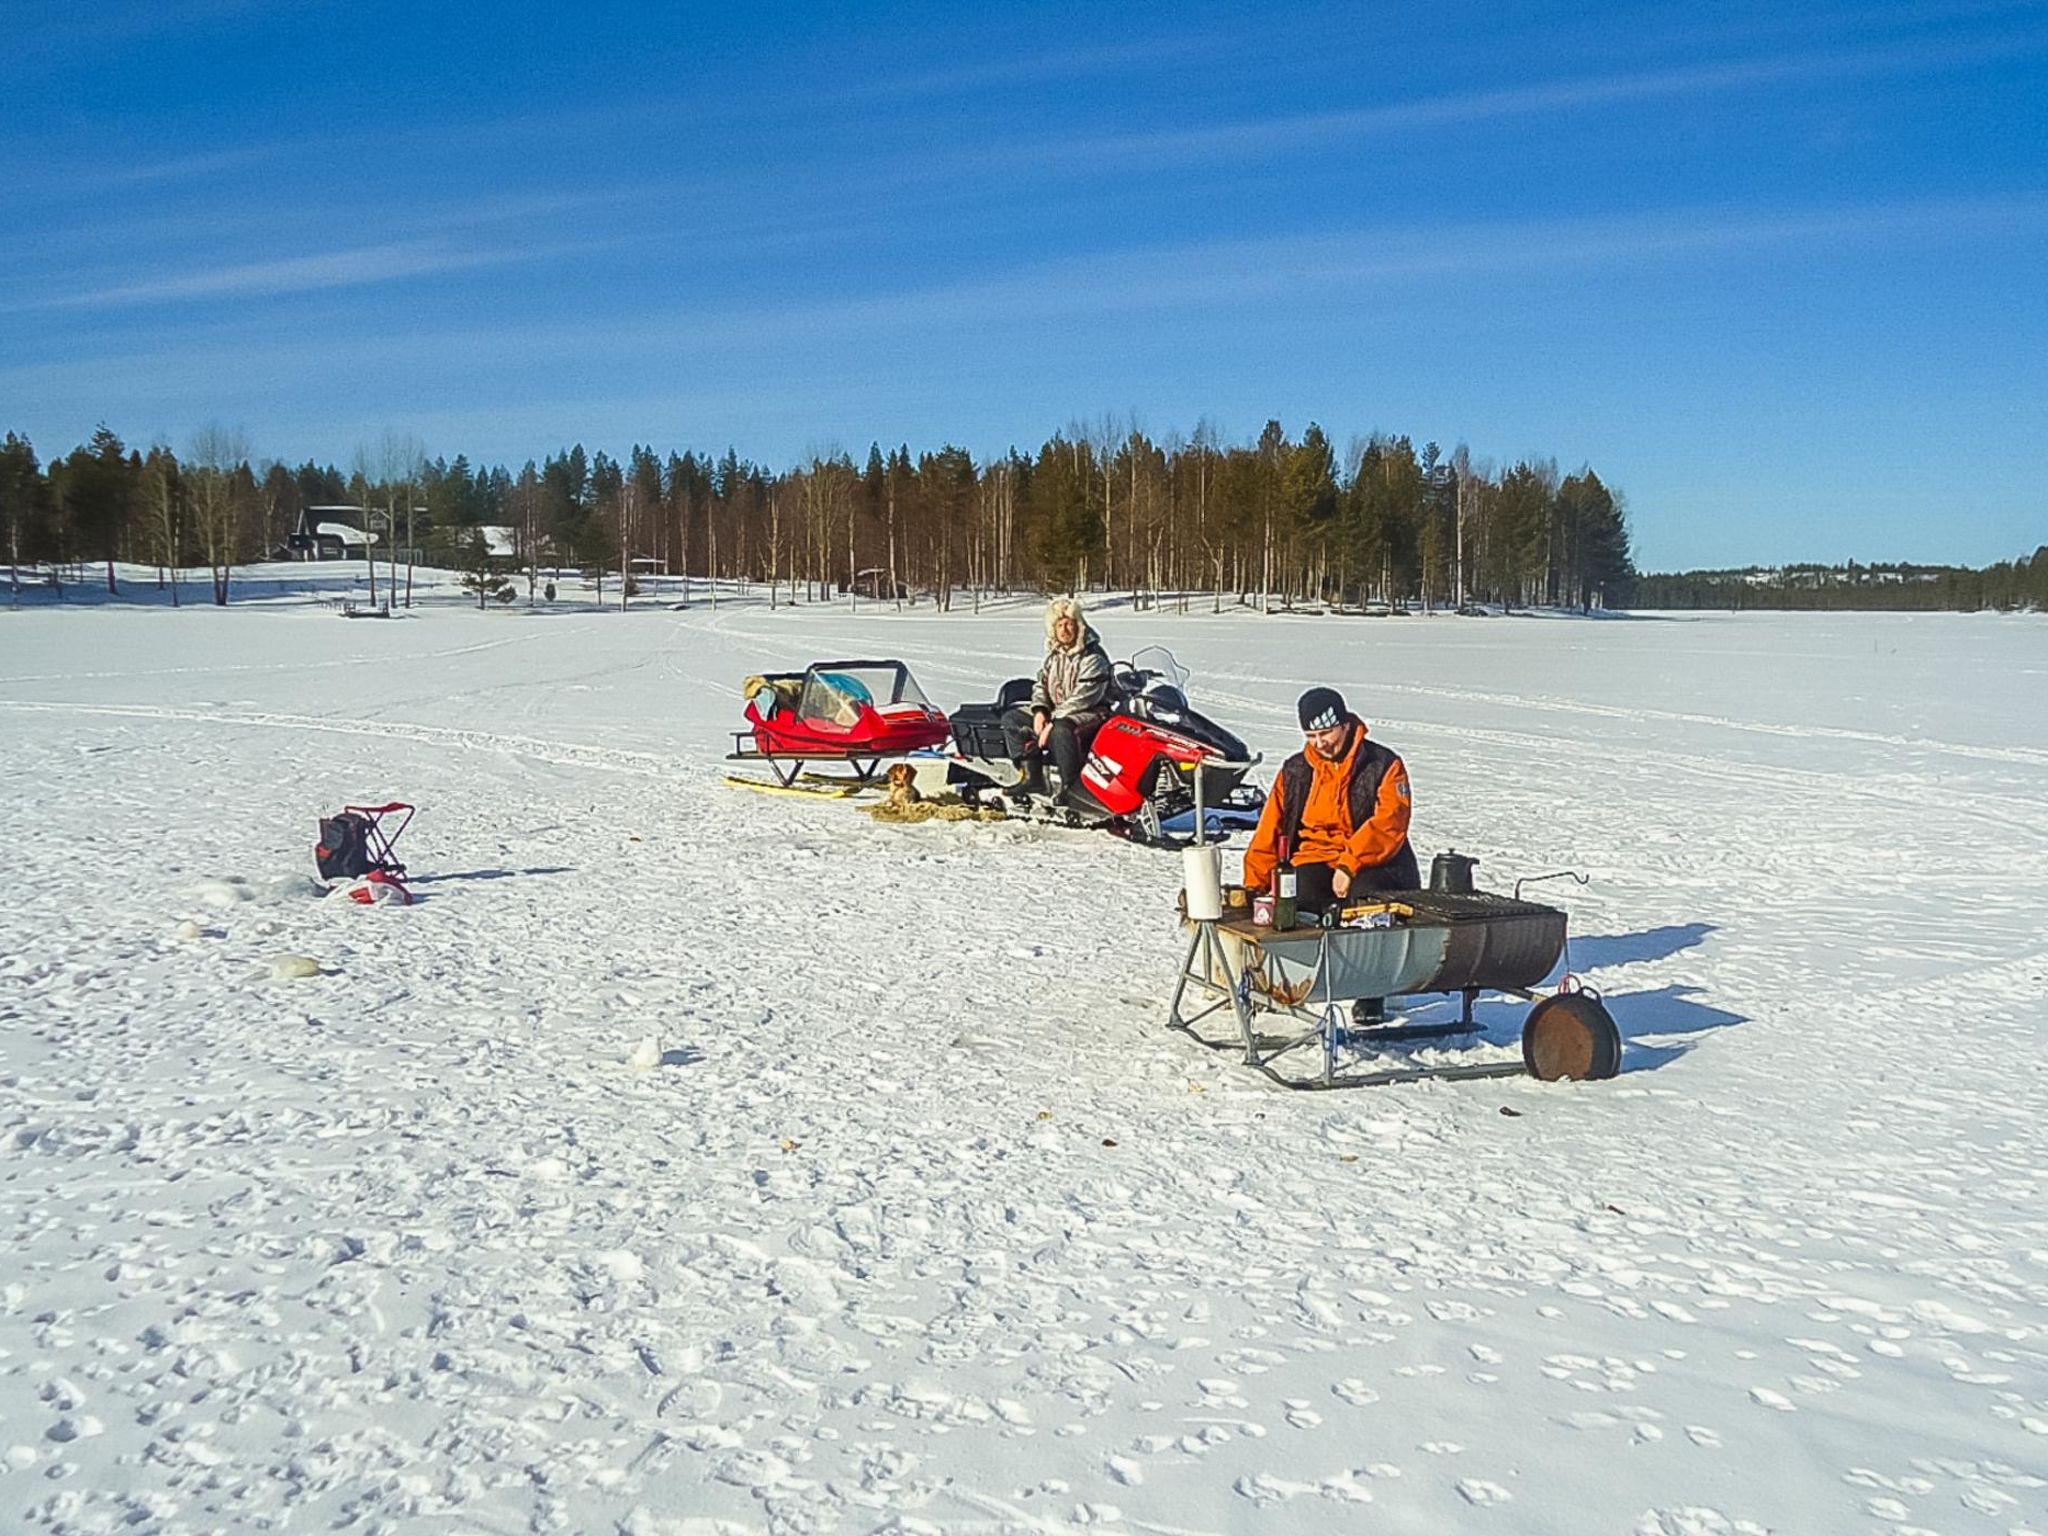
[923, 1223]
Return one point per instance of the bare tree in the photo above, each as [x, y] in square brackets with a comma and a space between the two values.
[400, 462]
[216, 454]
[161, 494]
[360, 488]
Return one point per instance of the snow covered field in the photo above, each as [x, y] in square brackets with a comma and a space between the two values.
[923, 1223]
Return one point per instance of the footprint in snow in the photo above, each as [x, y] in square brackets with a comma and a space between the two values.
[1770, 1399]
[1354, 1392]
[1345, 1486]
[1262, 1488]
[1477, 1490]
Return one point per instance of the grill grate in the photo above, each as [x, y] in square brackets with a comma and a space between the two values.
[1480, 905]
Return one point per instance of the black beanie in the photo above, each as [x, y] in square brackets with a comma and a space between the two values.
[1322, 708]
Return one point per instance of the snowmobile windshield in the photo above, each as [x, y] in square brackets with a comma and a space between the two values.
[1153, 669]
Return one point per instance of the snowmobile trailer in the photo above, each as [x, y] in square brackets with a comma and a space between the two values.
[860, 713]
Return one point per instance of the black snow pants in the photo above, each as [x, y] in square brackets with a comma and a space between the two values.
[1068, 745]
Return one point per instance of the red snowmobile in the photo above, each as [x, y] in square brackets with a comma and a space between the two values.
[1152, 767]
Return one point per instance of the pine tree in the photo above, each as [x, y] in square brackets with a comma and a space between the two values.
[1064, 516]
[1309, 489]
[479, 575]
[99, 497]
[23, 504]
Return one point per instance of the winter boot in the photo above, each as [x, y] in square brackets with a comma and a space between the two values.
[1033, 783]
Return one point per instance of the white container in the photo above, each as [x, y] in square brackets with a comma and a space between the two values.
[1202, 874]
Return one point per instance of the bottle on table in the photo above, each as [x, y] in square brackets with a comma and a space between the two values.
[1284, 888]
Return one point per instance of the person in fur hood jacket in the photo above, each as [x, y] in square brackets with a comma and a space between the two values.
[1069, 700]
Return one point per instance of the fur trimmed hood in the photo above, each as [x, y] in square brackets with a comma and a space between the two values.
[1068, 608]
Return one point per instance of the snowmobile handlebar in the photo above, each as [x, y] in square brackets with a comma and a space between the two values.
[1213, 759]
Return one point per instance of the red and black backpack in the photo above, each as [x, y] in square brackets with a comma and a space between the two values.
[343, 852]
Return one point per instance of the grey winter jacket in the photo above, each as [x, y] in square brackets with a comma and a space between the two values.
[1074, 684]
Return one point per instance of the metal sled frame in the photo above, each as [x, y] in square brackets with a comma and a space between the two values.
[866, 765]
[1322, 1021]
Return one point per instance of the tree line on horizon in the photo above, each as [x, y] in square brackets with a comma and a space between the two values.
[1277, 522]
[1905, 588]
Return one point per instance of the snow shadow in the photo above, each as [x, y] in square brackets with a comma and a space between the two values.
[492, 874]
[1651, 1015]
[1659, 1026]
[1597, 951]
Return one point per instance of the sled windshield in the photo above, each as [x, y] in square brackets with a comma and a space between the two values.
[835, 694]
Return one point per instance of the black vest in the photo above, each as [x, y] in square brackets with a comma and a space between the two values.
[1369, 770]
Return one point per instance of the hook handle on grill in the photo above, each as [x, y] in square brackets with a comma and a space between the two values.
[1555, 874]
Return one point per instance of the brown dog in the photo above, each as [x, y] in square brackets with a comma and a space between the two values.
[902, 786]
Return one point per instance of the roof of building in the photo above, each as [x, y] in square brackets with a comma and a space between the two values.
[344, 533]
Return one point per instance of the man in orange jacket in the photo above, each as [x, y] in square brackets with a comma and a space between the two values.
[1341, 805]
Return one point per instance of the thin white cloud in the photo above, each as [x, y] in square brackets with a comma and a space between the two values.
[61, 26]
[999, 68]
[226, 223]
[300, 274]
[1702, 30]
[1268, 135]
[1336, 273]
[1354, 264]
[184, 167]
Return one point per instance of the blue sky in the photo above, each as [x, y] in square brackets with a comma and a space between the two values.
[1777, 275]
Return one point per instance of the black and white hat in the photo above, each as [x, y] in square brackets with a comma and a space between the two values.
[1322, 709]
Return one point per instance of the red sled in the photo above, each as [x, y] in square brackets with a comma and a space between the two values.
[860, 713]
[380, 888]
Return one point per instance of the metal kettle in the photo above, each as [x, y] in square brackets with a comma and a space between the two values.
[1451, 873]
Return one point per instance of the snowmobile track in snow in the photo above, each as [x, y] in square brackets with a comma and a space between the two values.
[563, 753]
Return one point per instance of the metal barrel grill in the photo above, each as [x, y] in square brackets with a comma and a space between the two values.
[1454, 942]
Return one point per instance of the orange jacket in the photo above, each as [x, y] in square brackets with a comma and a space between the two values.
[1328, 835]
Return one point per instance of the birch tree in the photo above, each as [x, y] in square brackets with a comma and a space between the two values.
[216, 454]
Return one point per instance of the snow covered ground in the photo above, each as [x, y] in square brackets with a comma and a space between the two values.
[922, 1222]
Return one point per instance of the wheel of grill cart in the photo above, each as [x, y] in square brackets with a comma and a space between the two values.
[1571, 1035]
